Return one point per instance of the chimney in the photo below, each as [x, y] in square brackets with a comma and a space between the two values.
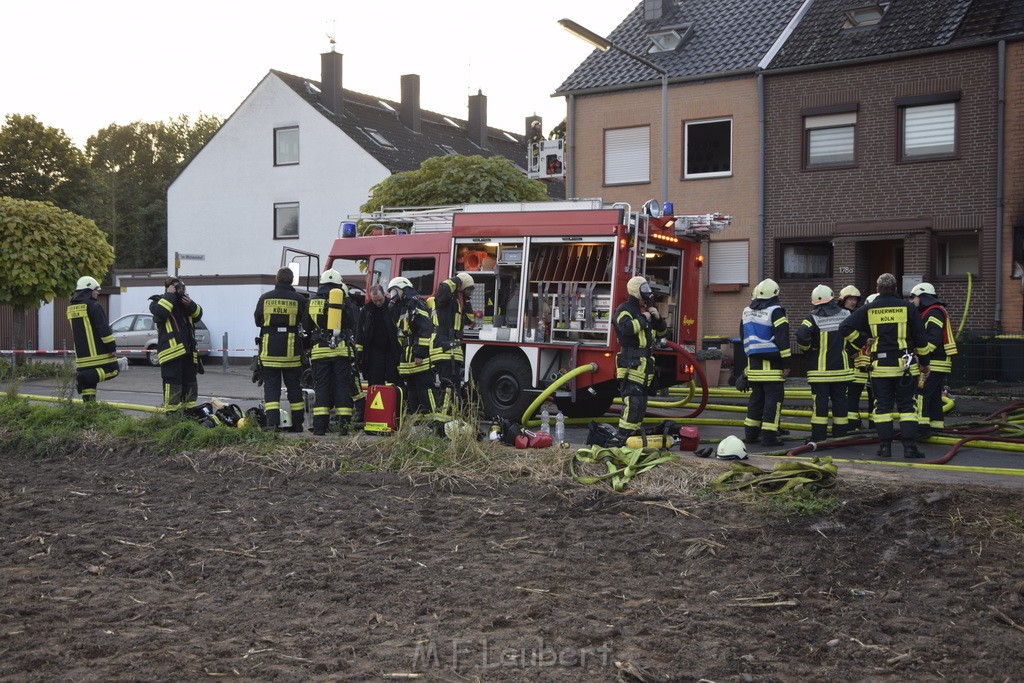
[478, 119]
[656, 9]
[330, 82]
[409, 112]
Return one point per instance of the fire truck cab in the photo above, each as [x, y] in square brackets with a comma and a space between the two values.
[549, 276]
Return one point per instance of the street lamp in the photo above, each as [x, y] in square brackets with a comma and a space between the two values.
[603, 44]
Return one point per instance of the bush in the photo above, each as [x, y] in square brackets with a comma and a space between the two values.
[710, 354]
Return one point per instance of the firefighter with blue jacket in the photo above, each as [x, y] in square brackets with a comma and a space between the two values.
[638, 325]
[895, 334]
[831, 373]
[415, 330]
[279, 314]
[452, 312]
[941, 347]
[175, 315]
[764, 330]
[95, 361]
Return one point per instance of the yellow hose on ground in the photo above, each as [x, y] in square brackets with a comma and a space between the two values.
[122, 406]
[537, 402]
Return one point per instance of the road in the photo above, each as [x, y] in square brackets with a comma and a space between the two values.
[140, 385]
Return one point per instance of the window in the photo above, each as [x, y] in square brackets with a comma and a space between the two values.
[806, 260]
[381, 272]
[829, 139]
[956, 254]
[377, 137]
[860, 17]
[708, 149]
[729, 262]
[286, 146]
[928, 131]
[420, 272]
[286, 221]
[627, 155]
[669, 39]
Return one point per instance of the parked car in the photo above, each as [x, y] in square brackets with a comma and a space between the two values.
[136, 332]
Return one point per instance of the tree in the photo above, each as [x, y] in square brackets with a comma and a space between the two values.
[455, 179]
[46, 249]
[40, 163]
[132, 167]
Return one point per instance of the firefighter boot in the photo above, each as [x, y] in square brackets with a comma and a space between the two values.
[770, 438]
[819, 433]
[319, 427]
[910, 450]
[357, 412]
[924, 432]
[751, 434]
[884, 449]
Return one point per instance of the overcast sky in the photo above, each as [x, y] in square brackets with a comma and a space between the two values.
[81, 66]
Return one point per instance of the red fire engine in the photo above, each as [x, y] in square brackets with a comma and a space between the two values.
[549, 276]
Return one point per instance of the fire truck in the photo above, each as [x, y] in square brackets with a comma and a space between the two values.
[549, 276]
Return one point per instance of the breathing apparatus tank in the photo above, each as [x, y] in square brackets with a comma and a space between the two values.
[334, 301]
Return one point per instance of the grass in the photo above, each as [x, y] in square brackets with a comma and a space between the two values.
[799, 503]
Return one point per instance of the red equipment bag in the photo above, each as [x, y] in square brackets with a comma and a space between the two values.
[383, 410]
[689, 439]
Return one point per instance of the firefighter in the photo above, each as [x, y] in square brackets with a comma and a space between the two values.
[95, 361]
[415, 330]
[175, 315]
[278, 314]
[849, 298]
[377, 338]
[941, 347]
[831, 373]
[452, 312]
[354, 300]
[894, 332]
[331, 355]
[638, 324]
[764, 330]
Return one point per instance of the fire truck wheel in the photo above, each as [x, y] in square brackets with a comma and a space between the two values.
[504, 383]
[586, 404]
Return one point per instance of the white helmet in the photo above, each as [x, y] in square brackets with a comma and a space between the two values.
[86, 282]
[399, 284]
[822, 294]
[765, 289]
[330, 276]
[731, 448]
[466, 280]
[871, 297]
[849, 290]
[923, 288]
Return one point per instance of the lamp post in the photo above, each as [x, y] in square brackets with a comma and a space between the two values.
[603, 44]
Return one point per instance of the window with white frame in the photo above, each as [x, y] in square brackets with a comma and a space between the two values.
[627, 155]
[829, 139]
[806, 260]
[286, 146]
[729, 262]
[708, 151]
[927, 131]
[286, 220]
[956, 254]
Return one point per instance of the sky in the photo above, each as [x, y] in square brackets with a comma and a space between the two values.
[81, 66]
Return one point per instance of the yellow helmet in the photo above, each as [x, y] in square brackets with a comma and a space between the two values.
[765, 289]
[849, 290]
[822, 294]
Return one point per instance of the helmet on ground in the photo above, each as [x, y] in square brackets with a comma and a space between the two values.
[871, 297]
[731, 448]
[465, 280]
[765, 289]
[923, 288]
[86, 282]
[638, 287]
[849, 290]
[330, 276]
[822, 294]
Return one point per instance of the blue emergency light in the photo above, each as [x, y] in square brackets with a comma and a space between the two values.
[668, 209]
[348, 229]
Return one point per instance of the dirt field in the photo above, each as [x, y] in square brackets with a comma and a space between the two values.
[132, 566]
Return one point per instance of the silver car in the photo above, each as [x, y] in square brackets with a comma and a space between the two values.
[136, 333]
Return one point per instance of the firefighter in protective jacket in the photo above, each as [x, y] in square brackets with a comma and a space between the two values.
[452, 312]
[941, 347]
[415, 330]
[94, 342]
[831, 372]
[278, 314]
[764, 330]
[896, 335]
[637, 326]
[175, 315]
[331, 355]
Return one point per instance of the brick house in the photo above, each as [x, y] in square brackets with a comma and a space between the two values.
[712, 51]
[883, 140]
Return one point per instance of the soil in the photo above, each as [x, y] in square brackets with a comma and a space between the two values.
[134, 566]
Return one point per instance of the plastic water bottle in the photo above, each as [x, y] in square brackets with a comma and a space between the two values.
[559, 427]
[545, 421]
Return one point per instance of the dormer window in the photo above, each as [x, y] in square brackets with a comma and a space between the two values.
[669, 39]
[869, 15]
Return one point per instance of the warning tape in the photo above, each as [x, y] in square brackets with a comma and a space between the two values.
[65, 352]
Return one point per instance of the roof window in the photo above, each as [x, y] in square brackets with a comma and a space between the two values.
[868, 15]
[385, 105]
[669, 39]
[377, 137]
[450, 122]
